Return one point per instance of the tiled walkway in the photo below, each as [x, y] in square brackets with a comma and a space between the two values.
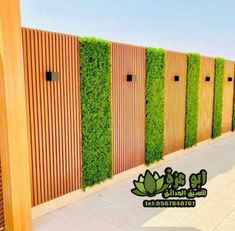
[116, 209]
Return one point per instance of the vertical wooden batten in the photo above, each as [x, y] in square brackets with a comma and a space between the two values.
[176, 65]
[1, 201]
[128, 106]
[53, 112]
[206, 96]
[228, 96]
[13, 123]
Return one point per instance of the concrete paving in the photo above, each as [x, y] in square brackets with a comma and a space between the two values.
[117, 209]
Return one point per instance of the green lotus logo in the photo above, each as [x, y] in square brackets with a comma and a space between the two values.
[149, 185]
[171, 187]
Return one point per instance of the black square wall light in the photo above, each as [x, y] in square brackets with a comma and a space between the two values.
[176, 78]
[230, 79]
[130, 78]
[208, 78]
[52, 76]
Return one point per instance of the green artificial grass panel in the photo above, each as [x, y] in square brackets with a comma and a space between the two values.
[155, 103]
[218, 97]
[192, 96]
[95, 69]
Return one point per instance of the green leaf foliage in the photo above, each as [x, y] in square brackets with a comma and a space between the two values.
[140, 186]
[155, 102]
[159, 183]
[149, 182]
[138, 193]
[218, 97]
[151, 186]
[164, 188]
[95, 67]
[193, 70]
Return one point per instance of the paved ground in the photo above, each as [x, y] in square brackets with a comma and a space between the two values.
[116, 209]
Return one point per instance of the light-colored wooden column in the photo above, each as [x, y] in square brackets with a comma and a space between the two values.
[13, 125]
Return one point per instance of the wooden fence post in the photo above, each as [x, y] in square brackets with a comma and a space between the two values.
[14, 149]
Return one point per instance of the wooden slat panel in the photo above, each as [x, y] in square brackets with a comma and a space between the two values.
[206, 95]
[176, 64]
[1, 200]
[53, 113]
[228, 97]
[128, 109]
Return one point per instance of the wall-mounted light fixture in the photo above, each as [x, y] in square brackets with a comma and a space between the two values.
[130, 78]
[52, 76]
[208, 78]
[176, 78]
[230, 79]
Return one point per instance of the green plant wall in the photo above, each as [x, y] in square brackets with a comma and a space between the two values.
[95, 67]
[218, 97]
[155, 102]
[192, 95]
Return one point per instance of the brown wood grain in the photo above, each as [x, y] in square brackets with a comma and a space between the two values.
[175, 93]
[206, 95]
[128, 106]
[228, 97]
[54, 119]
[1, 192]
[14, 149]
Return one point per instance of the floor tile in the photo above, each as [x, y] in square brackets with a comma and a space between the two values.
[117, 209]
